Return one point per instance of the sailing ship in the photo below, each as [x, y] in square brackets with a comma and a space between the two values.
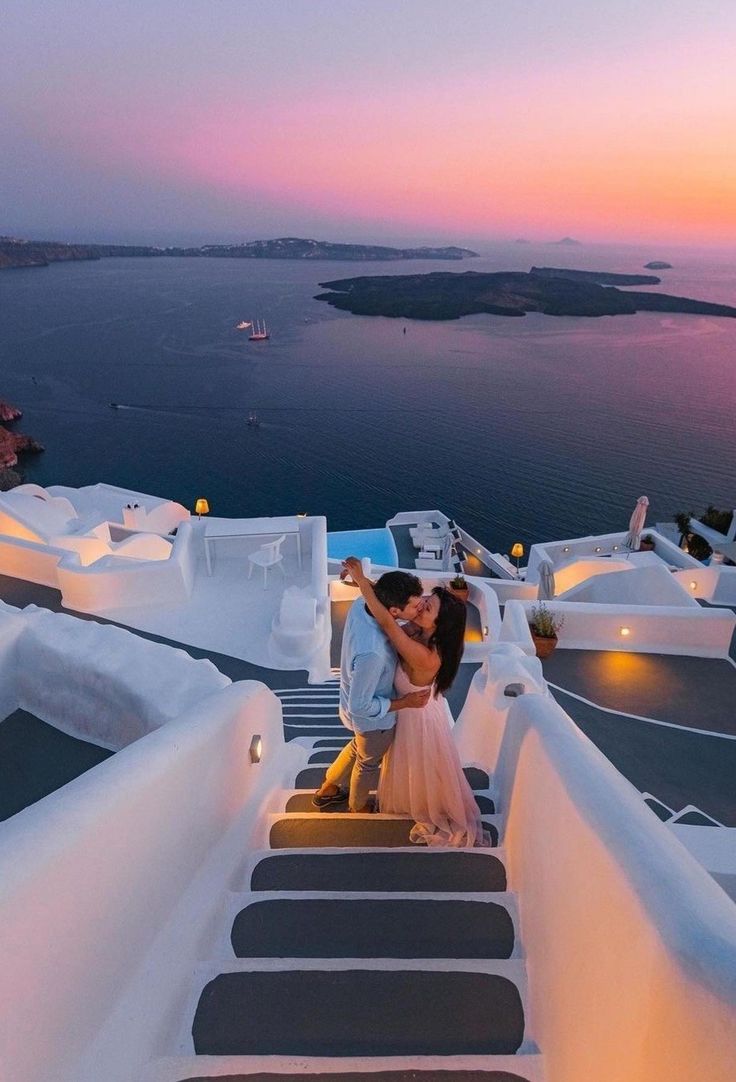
[260, 333]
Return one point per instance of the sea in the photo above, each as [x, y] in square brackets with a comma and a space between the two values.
[523, 429]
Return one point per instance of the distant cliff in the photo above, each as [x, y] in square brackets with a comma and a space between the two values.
[39, 253]
[12, 444]
[26, 253]
[446, 295]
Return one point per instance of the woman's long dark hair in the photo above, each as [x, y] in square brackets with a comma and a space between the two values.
[448, 637]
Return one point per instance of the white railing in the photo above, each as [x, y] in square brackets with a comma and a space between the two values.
[631, 945]
[112, 884]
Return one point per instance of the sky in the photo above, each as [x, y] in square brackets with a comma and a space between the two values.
[452, 121]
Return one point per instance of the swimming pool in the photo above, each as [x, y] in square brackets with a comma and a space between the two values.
[376, 544]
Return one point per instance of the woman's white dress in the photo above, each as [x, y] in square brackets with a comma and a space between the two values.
[422, 777]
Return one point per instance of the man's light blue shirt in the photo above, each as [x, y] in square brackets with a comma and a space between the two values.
[367, 667]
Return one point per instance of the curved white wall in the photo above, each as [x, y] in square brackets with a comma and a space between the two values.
[631, 946]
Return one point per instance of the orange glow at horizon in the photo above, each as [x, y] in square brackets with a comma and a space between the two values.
[558, 152]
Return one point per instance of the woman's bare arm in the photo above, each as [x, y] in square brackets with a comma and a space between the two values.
[416, 655]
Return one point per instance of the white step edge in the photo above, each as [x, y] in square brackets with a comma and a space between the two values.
[236, 901]
[373, 817]
[513, 969]
[175, 1068]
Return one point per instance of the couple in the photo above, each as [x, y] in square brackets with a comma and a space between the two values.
[392, 680]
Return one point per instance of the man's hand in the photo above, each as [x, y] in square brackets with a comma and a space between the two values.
[413, 700]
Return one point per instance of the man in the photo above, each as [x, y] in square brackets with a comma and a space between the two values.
[367, 703]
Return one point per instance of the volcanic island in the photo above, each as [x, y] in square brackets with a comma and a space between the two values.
[553, 291]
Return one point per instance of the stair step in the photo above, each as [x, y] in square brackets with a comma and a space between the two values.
[332, 742]
[302, 802]
[325, 1012]
[313, 776]
[374, 1076]
[421, 870]
[525, 1067]
[320, 831]
[371, 928]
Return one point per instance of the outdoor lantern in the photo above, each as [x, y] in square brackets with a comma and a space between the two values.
[625, 631]
[693, 585]
[256, 749]
[517, 552]
[201, 507]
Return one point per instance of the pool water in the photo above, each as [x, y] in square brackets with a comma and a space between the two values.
[378, 545]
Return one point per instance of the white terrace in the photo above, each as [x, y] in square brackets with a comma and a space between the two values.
[179, 912]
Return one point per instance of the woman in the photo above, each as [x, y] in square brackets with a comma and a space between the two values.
[421, 775]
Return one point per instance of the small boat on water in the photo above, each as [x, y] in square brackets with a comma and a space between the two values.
[253, 420]
[243, 325]
[260, 332]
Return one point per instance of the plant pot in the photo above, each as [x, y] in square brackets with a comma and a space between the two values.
[460, 594]
[543, 644]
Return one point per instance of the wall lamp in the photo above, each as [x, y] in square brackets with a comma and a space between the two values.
[598, 548]
[693, 585]
[256, 748]
[625, 631]
[566, 548]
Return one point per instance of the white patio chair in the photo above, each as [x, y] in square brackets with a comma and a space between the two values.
[268, 555]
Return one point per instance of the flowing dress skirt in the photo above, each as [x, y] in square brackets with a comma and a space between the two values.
[422, 777]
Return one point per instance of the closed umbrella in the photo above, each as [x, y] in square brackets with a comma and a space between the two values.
[546, 590]
[636, 524]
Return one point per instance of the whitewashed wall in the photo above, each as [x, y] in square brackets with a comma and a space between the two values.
[631, 946]
[95, 681]
[659, 629]
[109, 887]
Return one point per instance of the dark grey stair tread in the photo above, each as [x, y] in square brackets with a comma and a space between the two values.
[301, 802]
[313, 776]
[324, 1013]
[372, 928]
[461, 872]
[329, 831]
[332, 742]
[659, 809]
[370, 1076]
[326, 756]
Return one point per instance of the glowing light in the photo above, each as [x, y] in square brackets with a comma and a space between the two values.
[255, 750]
[625, 631]
[201, 507]
[693, 585]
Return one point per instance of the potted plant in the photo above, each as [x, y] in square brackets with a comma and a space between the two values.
[459, 588]
[647, 543]
[544, 626]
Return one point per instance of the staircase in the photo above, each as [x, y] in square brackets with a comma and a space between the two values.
[349, 952]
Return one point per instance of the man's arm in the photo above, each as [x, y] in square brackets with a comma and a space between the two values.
[365, 702]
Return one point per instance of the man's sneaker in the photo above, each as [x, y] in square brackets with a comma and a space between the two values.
[340, 797]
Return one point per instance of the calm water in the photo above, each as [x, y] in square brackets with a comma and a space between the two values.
[523, 429]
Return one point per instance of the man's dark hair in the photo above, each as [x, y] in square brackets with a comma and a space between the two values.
[396, 588]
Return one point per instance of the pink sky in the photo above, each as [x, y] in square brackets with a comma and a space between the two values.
[489, 125]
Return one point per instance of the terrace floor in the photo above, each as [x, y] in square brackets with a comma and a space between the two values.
[667, 723]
